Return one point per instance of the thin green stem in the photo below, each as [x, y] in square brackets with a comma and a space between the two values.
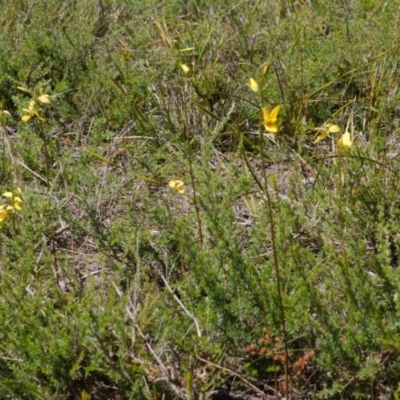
[46, 154]
[7, 144]
[190, 157]
[276, 264]
[196, 206]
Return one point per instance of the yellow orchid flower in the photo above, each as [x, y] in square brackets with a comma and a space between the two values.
[254, 85]
[3, 111]
[31, 111]
[266, 68]
[179, 186]
[3, 213]
[326, 130]
[185, 68]
[33, 107]
[43, 98]
[25, 90]
[270, 119]
[15, 201]
[345, 142]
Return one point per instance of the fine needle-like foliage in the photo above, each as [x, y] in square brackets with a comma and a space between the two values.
[199, 200]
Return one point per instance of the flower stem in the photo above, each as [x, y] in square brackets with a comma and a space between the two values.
[276, 264]
[46, 155]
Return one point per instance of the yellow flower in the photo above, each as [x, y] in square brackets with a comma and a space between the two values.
[3, 111]
[33, 107]
[270, 119]
[15, 201]
[179, 186]
[31, 111]
[345, 142]
[254, 85]
[326, 130]
[266, 68]
[3, 213]
[185, 68]
[43, 98]
[25, 90]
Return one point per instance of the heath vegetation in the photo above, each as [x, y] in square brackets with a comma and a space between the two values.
[199, 200]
